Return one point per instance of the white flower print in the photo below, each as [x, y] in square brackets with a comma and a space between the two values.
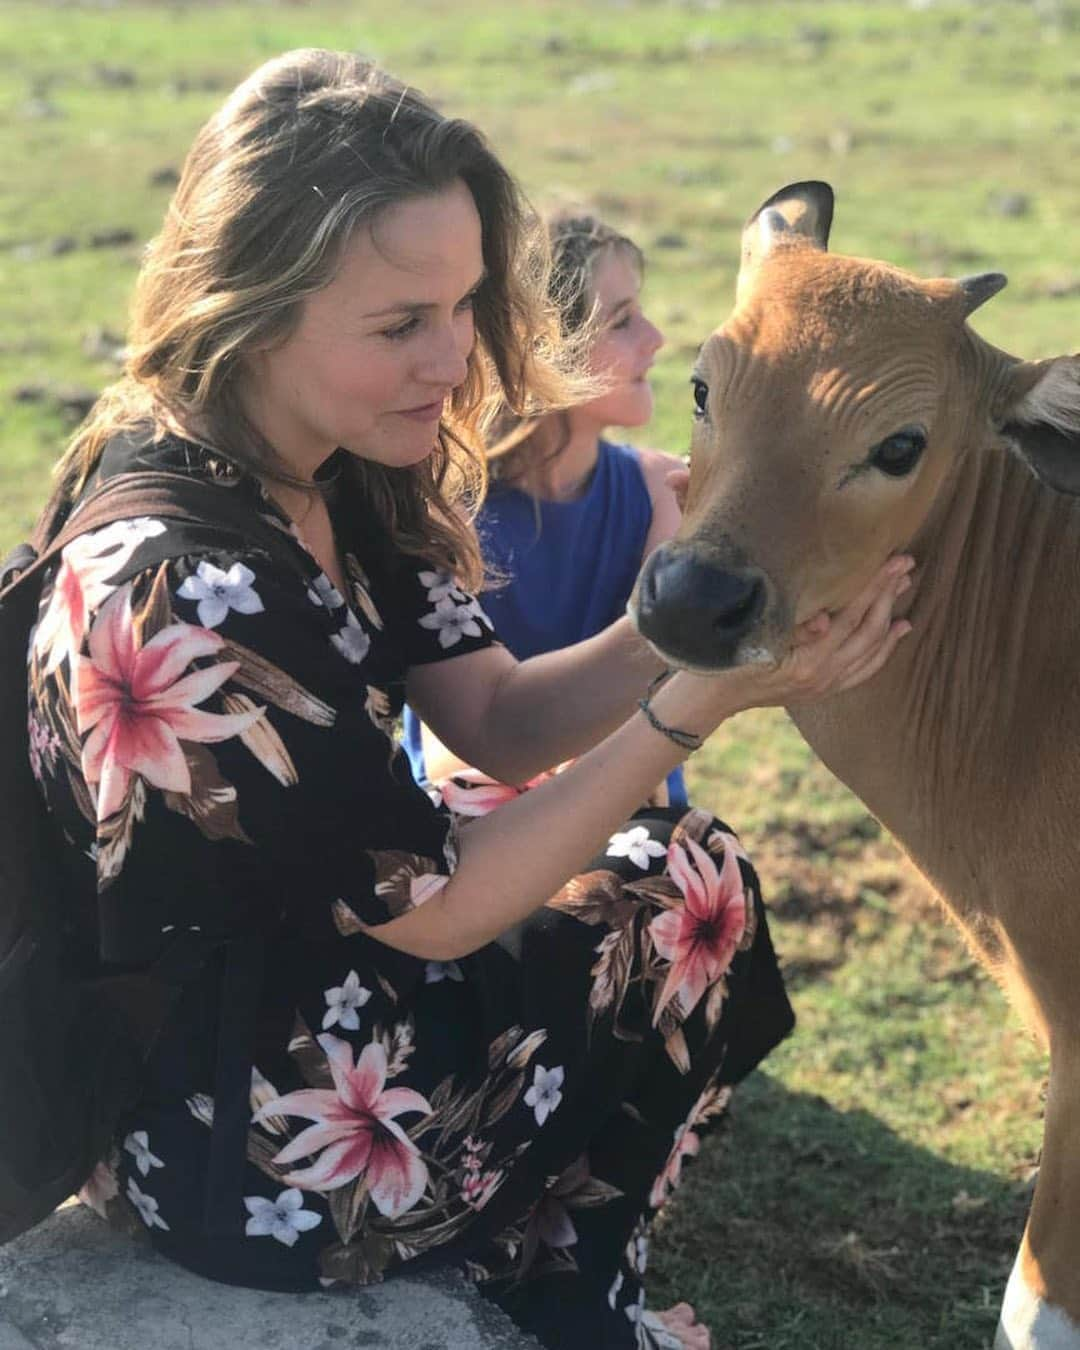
[146, 1205]
[322, 591]
[283, 1218]
[217, 592]
[439, 586]
[636, 845]
[342, 1003]
[544, 1095]
[637, 1252]
[437, 971]
[616, 1285]
[478, 611]
[453, 621]
[138, 1145]
[352, 641]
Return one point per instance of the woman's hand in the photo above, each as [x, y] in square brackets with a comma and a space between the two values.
[831, 653]
[838, 652]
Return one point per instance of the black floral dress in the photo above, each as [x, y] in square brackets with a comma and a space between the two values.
[213, 731]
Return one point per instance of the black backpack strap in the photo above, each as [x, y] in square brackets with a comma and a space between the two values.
[171, 496]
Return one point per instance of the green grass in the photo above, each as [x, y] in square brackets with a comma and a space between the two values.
[870, 1186]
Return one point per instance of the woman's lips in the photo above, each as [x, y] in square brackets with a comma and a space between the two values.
[426, 412]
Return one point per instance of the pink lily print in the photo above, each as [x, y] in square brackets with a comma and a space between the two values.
[82, 584]
[700, 937]
[138, 706]
[355, 1130]
[472, 793]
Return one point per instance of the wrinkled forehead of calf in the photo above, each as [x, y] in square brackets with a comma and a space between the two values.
[823, 337]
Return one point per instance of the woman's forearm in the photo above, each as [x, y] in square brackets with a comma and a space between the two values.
[554, 707]
[514, 859]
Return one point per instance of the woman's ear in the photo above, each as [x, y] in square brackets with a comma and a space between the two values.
[1041, 420]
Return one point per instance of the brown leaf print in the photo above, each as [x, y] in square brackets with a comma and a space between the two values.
[114, 833]
[695, 824]
[398, 1045]
[656, 890]
[345, 920]
[361, 591]
[503, 1100]
[347, 1207]
[404, 880]
[211, 804]
[677, 1050]
[361, 1262]
[154, 612]
[263, 740]
[714, 1003]
[270, 684]
[309, 1056]
[519, 1057]
[594, 898]
[611, 973]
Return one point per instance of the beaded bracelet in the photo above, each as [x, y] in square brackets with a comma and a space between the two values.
[685, 740]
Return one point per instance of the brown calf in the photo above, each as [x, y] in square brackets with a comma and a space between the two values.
[845, 412]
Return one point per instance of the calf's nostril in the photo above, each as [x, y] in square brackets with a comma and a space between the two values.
[739, 608]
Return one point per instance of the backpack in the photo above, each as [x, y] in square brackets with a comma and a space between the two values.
[72, 1045]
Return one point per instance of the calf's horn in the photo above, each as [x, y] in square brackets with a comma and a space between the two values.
[976, 290]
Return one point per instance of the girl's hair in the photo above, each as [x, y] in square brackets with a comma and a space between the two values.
[310, 147]
[578, 241]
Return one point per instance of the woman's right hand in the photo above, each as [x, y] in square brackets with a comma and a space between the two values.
[830, 653]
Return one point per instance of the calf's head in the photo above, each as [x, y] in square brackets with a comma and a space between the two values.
[831, 414]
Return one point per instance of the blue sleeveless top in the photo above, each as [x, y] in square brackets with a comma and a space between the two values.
[571, 567]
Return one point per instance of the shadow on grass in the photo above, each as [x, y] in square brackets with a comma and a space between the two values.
[803, 1226]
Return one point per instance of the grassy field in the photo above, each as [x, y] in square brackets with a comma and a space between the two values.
[869, 1188]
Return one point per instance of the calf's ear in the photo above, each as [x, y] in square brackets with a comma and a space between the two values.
[798, 213]
[1042, 420]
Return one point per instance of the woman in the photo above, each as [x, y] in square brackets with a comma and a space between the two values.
[337, 289]
[570, 516]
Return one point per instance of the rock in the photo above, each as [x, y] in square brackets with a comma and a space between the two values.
[74, 403]
[1012, 204]
[28, 393]
[670, 239]
[100, 344]
[841, 140]
[77, 1285]
[112, 238]
[116, 77]
[164, 177]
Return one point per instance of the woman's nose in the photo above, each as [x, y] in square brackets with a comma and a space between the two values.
[653, 336]
[447, 360]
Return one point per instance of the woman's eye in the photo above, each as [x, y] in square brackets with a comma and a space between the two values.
[898, 454]
[402, 330]
[701, 397]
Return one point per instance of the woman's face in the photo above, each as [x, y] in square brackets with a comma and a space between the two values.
[378, 351]
[627, 343]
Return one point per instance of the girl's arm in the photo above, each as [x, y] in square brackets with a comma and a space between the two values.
[513, 860]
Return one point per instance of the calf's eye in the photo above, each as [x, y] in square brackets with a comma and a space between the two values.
[898, 454]
[701, 397]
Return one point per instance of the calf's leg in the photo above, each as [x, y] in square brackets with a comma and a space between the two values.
[1041, 1310]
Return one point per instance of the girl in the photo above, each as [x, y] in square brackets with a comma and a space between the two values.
[405, 1047]
[570, 516]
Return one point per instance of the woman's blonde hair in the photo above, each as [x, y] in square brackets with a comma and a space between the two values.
[310, 147]
[577, 241]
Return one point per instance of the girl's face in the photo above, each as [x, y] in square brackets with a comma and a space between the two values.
[627, 343]
[377, 352]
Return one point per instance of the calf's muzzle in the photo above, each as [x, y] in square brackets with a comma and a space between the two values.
[696, 611]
